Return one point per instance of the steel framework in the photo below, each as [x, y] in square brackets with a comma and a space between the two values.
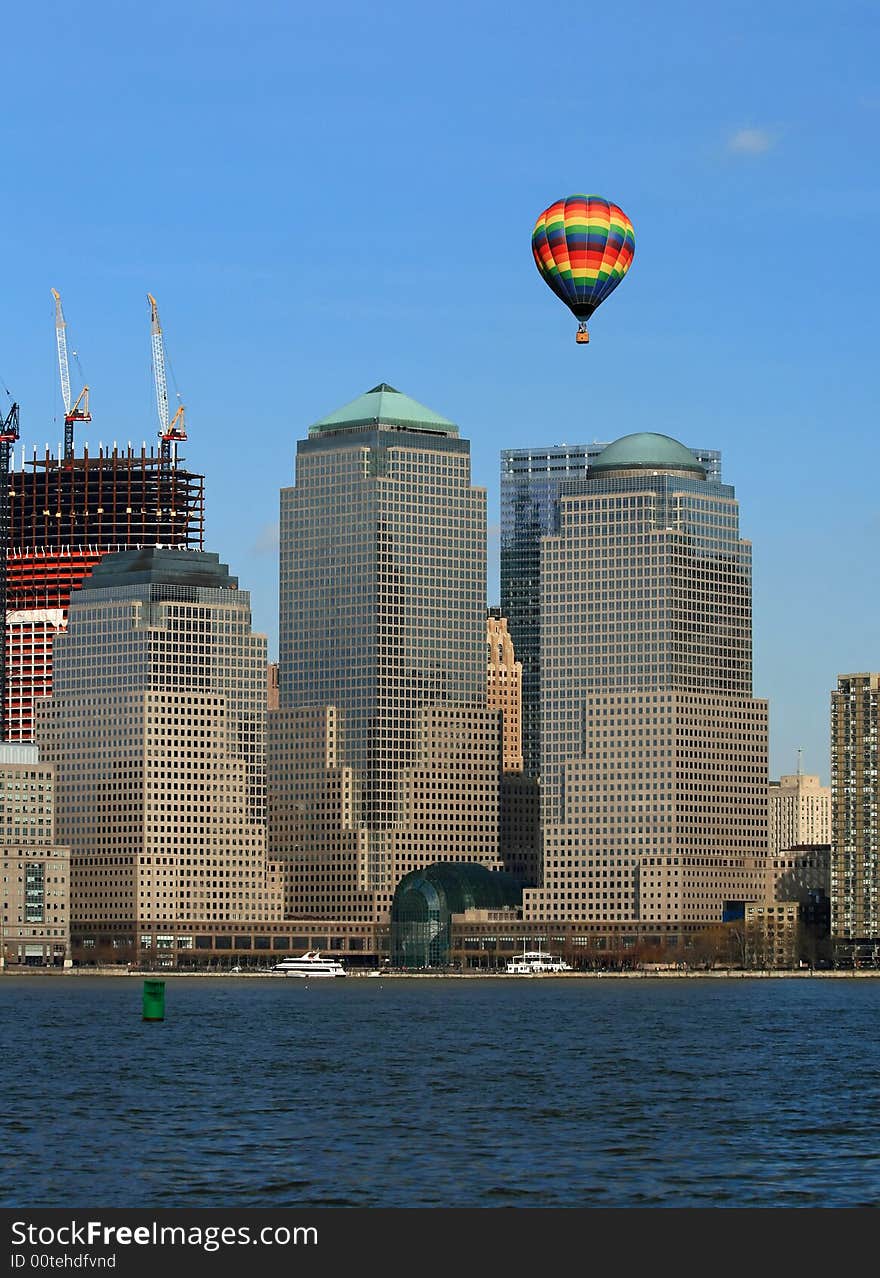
[64, 515]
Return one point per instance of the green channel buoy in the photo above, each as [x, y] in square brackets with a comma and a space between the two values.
[154, 1001]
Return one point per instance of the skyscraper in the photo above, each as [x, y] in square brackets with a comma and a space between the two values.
[654, 752]
[382, 672]
[156, 728]
[855, 815]
[519, 819]
[532, 480]
[505, 689]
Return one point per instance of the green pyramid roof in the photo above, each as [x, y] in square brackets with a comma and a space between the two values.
[383, 405]
[646, 451]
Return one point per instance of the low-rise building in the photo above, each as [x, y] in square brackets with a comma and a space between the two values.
[35, 874]
[793, 874]
[771, 934]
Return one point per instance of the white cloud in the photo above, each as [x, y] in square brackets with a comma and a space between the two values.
[751, 141]
[268, 541]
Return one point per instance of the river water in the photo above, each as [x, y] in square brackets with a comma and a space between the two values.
[371, 1092]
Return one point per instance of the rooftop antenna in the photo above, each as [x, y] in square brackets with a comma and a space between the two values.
[800, 752]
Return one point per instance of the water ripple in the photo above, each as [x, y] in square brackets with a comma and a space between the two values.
[442, 1093]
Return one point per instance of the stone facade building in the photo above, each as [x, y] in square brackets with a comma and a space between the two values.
[800, 812]
[654, 751]
[771, 934]
[384, 754]
[156, 729]
[533, 480]
[798, 873]
[35, 878]
[505, 689]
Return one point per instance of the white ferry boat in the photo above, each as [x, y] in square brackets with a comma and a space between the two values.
[536, 963]
[310, 964]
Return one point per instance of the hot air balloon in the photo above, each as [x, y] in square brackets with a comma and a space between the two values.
[583, 246]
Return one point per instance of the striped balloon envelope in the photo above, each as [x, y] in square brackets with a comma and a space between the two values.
[583, 246]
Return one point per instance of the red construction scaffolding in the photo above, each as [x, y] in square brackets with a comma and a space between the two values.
[65, 514]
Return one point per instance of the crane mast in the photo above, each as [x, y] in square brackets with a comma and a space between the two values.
[73, 412]
[171, 429]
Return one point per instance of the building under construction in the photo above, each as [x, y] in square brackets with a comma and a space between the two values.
[66, 512]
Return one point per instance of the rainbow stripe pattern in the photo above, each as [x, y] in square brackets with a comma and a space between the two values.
[583, 246]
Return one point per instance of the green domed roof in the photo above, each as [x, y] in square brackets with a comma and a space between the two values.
[425, 901]
[384, 406]
[461, 885]
[647, 451]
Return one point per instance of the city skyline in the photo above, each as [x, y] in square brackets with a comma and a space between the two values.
[581, 454]
[265, 331]
[646, 608]
[371, 616]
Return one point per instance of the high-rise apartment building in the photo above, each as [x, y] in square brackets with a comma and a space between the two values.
[799, 812]
[654, 752]
[532, 480]
[384, 754]
[505, 689]
[156, 728]
[855, 813]
[65, 514]
[35, 878]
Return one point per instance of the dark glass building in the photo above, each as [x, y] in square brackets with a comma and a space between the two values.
[425, 901]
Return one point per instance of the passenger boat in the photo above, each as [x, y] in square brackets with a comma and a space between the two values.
[536, 963]
[310, 964]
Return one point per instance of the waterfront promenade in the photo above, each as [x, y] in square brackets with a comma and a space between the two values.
[639, 974]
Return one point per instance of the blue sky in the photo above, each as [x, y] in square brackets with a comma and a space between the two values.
[325, 197]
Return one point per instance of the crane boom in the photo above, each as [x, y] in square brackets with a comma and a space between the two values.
[158, 345]
[171, 429]
[78, 412]
[61, 339]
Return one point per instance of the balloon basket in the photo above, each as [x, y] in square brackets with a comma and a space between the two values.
[582, 337]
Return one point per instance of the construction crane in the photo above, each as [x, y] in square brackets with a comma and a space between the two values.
[8, 436]
[170, 431]
[73, 412]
